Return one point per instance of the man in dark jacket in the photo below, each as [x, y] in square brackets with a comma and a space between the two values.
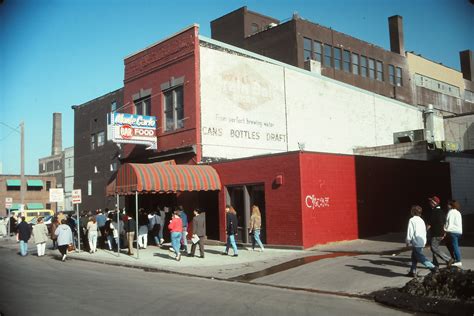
[130, 230]
[199, 232]
[436, 229]
[24, 233]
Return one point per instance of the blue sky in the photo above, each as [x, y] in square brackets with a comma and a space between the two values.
[56, 53]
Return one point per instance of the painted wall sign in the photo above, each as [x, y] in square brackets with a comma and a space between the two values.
[314, 202]
[132, 129]
[242, 106]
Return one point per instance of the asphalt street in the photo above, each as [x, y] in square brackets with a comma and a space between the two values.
[47, 286]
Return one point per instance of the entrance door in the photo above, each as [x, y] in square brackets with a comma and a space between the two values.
[242, 198]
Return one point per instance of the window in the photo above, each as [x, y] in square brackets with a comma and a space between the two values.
[113, 166]
[89, 187]
[143, 106]
[469, 96]
[371, 68]
[391, 74]
[174, 109]
[379, 66]
[100, 139]
[337, 58]
[96, 170]
[48, 185]
[318, 51]
[355, 64]
[398, 77]
[347, 61]
[363, 66]
[255, 28]
[113, 106]
[327, 55]
[308, 49]
[48, 206]
[92, 141]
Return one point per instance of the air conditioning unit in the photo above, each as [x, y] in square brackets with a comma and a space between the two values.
[409, 136]
[313, 66]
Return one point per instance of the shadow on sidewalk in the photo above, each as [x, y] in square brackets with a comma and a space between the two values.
[377, 271]
[387, 262]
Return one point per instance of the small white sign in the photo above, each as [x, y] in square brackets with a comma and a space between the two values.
[8, 202]
[76, 196]
[56, 195]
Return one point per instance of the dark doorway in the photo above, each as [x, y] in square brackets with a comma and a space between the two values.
[242, 197]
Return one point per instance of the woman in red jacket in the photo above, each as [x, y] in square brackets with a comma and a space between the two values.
[176, 228]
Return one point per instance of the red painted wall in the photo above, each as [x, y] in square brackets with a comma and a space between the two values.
[328, 198]
[175, 57]
[283, 203]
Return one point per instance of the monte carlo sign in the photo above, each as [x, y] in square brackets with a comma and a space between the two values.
[132, 129]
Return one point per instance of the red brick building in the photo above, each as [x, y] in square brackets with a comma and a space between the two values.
[306, 197]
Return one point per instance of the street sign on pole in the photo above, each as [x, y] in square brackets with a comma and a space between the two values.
[8, 202]
[56, 195]
[76, 196]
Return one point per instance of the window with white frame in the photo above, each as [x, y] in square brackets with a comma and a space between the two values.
[143, 106]
[174, 109]
[92, 141]
[100, 139]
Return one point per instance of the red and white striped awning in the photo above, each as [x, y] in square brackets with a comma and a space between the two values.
[163, 178]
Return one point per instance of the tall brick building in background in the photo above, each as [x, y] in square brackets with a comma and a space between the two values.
[278, 135]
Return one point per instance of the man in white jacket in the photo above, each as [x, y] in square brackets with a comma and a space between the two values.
[416, 237]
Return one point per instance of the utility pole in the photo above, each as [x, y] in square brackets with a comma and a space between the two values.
[22, 171]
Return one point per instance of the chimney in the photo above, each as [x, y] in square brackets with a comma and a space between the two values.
[395, 28]
[467, 65]
[57, 137]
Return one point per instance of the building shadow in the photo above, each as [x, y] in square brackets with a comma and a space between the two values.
[394, 263]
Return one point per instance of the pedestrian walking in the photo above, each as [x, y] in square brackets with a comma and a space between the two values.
[84, 219]
[162, 224]
[231, 230]
[24, 234]
[436, 231]
[40, 235]
[130, 229]
[176, 228]
[92, 233]
[199, 232]
[416, 238]
[155, 226]
[142, 229]
[255, 227]
[64, 235]
[184, 234]
[54, 238]
[101, 219]
[453, 228]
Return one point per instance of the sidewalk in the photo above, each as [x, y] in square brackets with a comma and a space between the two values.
[356, 267]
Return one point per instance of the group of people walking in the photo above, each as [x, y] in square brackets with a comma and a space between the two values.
[440, 226]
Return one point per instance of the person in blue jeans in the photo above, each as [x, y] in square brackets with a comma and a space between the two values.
[231, 230]
[453, 228]
[24, 234]
[176, 227]
[255, 227]
[416, 237]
